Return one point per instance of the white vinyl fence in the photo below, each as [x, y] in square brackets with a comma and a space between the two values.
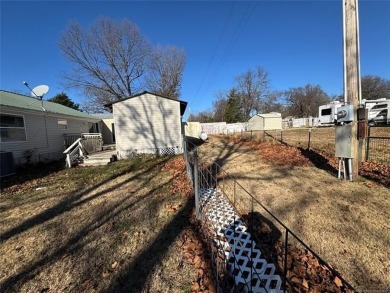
[222, 127]
[300, 122]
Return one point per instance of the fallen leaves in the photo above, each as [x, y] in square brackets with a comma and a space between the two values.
[195, 253]
[180, 183]
[278, 154]
[172, 207]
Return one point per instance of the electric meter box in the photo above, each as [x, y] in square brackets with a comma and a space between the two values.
[345, 114]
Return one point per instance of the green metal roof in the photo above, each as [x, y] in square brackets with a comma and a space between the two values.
[24, 102]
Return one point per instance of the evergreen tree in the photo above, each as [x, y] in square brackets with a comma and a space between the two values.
[233, 107]
[63, 99]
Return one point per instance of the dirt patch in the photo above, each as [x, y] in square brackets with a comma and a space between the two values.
[114, 228]
[345, 222]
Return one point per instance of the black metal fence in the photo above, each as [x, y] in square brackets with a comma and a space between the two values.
[251, 249]
[378, 147]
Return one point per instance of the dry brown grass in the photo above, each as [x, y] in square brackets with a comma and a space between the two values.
[347, 223]
[99, 229]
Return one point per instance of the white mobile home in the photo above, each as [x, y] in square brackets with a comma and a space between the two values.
[33, 130]
[148, 123]
[266, 121]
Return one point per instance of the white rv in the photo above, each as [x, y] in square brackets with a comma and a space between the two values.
[378, 114]
[380, 107]
[327, 113]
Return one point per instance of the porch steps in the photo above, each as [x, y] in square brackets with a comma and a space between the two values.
[98, 159]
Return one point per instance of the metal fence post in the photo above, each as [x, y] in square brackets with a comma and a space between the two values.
[308, 145]
[368, 143]
[196, 183]
[285, 261]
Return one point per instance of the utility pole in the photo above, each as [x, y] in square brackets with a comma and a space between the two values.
[352, 82]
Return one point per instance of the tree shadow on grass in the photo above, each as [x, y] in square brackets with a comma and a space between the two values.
[133, 278]
[75, 244]
[72, 202]
[318, 160]
[26, 173]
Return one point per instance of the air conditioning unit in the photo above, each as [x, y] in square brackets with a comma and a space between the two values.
[7, 165]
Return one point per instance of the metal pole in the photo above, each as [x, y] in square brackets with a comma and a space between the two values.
[252, 229]
[308, 145]
[285, 261]
[196, 183]
[368, 143]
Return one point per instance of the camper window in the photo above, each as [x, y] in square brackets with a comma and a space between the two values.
[379, 106]
[325, 112]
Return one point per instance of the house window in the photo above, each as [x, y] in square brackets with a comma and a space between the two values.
[12, 128]
[62, 124]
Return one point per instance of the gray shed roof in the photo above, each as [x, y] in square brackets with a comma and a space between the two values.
[270, 115]
[24, 102]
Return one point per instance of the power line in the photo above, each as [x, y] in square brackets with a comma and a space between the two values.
[240, 28]
[215, 51]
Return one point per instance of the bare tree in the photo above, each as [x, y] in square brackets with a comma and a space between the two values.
[202, 117]
[109, 59]
[375, 87]
[166, 71]
[271, 103]
[252, 86]
[304, 101]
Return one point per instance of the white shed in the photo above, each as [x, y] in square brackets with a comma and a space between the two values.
[266, 121]
[148, 123]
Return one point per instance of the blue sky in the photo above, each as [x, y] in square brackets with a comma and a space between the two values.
[296, 42]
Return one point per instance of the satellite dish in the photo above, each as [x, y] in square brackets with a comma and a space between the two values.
[39, 91]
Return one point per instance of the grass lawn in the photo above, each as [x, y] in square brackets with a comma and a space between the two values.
[114, 228]
[346, 223]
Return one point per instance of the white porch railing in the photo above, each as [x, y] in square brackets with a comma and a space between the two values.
[92, 142]
[74, 153]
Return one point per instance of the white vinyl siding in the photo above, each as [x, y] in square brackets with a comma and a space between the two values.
[147, 123]
[42, 135]
[107, 131]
